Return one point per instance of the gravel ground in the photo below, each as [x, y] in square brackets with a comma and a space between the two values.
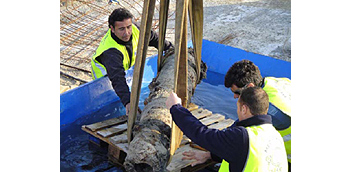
[263, 27]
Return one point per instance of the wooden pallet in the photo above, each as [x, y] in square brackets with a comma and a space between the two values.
[114, 132]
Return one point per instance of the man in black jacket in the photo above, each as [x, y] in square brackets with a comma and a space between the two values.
[251, 144]
[117, 52]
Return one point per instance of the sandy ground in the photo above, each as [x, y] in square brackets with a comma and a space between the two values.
[262, 27]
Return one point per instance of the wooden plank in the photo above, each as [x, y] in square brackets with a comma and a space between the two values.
[222, 124]
[107, 123]
[114, 155]
[196, 22]
[121, 138]
[212, 119]
[209, 119]
[185, 140]
[192, 106]
[123, 146]
[163, 15]
[95, 134]
[201, 113]
[181, 68]
[144, 35]
[114, 130]
[177, 163]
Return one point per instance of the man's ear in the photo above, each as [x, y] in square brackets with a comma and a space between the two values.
[112, 29]
[244, 109]
[250, 85]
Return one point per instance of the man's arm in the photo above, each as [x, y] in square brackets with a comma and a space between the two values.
[154, 39]
[112, 59]
[279, 119]
[230, 144]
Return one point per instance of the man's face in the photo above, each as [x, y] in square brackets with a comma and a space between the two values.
[123, 29]
[234, 89]
[237, 91]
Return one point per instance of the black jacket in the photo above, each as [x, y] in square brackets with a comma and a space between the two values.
[112, 59]
[231, 144]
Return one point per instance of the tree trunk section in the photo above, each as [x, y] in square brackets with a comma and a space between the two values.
[149, 148]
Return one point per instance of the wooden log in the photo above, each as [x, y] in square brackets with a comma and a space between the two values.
[149, 149]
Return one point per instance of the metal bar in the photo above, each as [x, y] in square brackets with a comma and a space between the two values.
[78, 37]
[86, 45]
[80, 28]
[74, 67]
[70, 76]
[78, 40]
[144, 36]
[79, 17]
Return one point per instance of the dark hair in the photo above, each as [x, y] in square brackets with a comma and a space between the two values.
[119, 14]
[256, 99]
[242, 73]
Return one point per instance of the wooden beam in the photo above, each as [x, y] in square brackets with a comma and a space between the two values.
[181, 68]
[196, 22]
[144, 35]
[164, 7]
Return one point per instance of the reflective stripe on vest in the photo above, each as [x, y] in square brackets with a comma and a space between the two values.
[286, 135]
[279, 92]
[98, 69]
[266, 150]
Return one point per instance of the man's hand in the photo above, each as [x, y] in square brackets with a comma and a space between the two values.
[128, 109]
[199, 156]
[172, 100]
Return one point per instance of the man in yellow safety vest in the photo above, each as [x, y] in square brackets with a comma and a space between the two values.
[117, 52]
[251, 144]
[244, 74]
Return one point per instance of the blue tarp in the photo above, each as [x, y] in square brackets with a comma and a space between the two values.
[96, 94]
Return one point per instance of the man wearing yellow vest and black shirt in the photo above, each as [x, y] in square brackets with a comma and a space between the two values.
[251, 144]
[246, 74]
[117, 52]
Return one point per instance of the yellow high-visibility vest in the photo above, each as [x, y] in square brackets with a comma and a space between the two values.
[279, 92]
[98, 69]
[266, 150]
